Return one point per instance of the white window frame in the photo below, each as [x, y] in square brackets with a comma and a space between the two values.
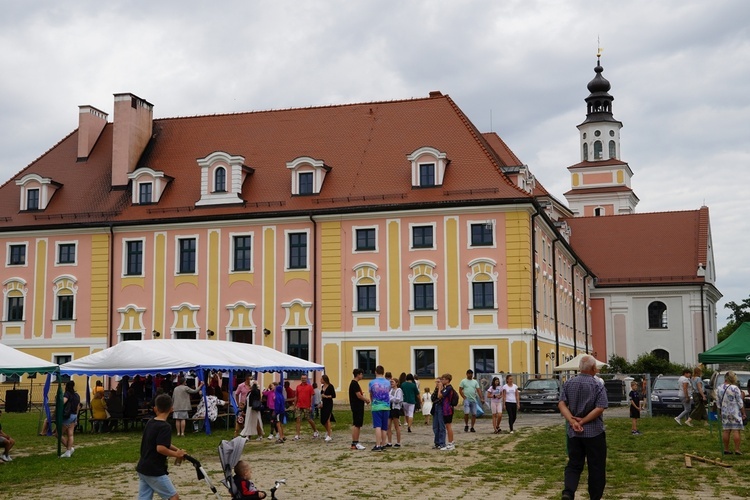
[124, 269]
[487, 347]
[9, 244]
[354, 239]
[413, 225]
[58, 244]
[287, 232]
[484, 222]
[251, 234]
[177, 239]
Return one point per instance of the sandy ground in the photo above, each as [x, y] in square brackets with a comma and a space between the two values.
[317, 470]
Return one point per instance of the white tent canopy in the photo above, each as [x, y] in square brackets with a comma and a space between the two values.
[15, 362]
[572, 365]
[149, 357]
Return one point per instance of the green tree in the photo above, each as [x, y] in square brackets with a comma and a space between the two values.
[740, 314]
[617, 364]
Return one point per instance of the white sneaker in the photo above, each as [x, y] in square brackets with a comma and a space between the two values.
[296, 438]
[72, 450]
[328, 439]
[270, 436]
[316, 435]
[66, 454]
[8, 458]
[360, 447]
[5, 458]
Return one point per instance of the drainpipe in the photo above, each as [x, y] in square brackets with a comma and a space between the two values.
[111, 298]
[703, 318]
[534, 291]
[554, 297]
[573, 303]
[585, 313]
[314, 328]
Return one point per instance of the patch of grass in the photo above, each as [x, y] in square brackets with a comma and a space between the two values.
[533, 459]
[651, 462]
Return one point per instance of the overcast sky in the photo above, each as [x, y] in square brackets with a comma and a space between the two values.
[680, 75]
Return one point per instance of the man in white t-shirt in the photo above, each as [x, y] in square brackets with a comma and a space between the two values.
[472, 394]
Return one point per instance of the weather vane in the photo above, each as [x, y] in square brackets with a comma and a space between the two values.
[599, 48]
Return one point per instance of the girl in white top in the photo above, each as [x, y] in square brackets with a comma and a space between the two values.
[397, 400]
[427, 405]
[511, 400]
[495, 395]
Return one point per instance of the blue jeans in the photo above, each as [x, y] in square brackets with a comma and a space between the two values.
[150, 485]
[438, 425]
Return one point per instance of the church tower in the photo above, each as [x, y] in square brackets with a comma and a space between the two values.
[600, 183]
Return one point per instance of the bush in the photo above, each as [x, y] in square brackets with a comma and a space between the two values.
[646, 363]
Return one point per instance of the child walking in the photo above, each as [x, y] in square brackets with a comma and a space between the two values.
[427, 405]
[635, 407]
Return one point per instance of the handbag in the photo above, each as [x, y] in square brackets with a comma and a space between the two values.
[257, 405]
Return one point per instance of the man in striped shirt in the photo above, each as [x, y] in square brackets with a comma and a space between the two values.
[582, 403]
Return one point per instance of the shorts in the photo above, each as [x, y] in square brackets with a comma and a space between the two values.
[278, 418]
[409, 409]
[497, 406]
[448, 419]
[380, 419]
[161, 485]
[71, 420]
[3, 440]
[634, 412]
[358, 417]
[179, 415]
[470, 407]
[303, 414]
[395, 413]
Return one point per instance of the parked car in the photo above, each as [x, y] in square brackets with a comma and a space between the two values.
[717, 379]
[665, 396]
[540, 394]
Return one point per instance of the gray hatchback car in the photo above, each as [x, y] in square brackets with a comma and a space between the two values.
[665, 396]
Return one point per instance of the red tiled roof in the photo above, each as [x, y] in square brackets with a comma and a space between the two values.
[648, 248]
[596, 190]
[507, 156]
[365, 145]
[598, 163]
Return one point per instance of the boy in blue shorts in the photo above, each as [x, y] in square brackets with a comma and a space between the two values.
[156, 447]
[380, 389]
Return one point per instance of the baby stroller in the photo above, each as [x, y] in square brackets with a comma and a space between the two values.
[230, 452]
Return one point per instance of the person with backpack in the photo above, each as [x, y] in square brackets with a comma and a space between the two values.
[71, 405]
[448, 399]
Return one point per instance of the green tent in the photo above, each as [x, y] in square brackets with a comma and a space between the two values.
[734, 349]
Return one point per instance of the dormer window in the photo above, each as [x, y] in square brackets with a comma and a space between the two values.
[222, 178]
[305, 183]
[36, 191]
[32, 199]
[148, 185]
[308, 175]
[427, 167]
[145, 193]
[426, 174]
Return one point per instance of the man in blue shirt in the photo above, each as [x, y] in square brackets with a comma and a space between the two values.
[380, 389]
[582, 403]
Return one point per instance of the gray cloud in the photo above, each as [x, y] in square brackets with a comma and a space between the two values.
[680, 74]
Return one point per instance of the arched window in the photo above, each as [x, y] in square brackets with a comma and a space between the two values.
[365, 281]
[598, 212]
[220, 180]
[612, 149]
[597, 150]
[661, 354]
[657, 315]
[482, 281]
[585, 152]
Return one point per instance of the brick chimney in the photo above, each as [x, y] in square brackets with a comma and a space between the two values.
[133, 125]
[91, 122]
